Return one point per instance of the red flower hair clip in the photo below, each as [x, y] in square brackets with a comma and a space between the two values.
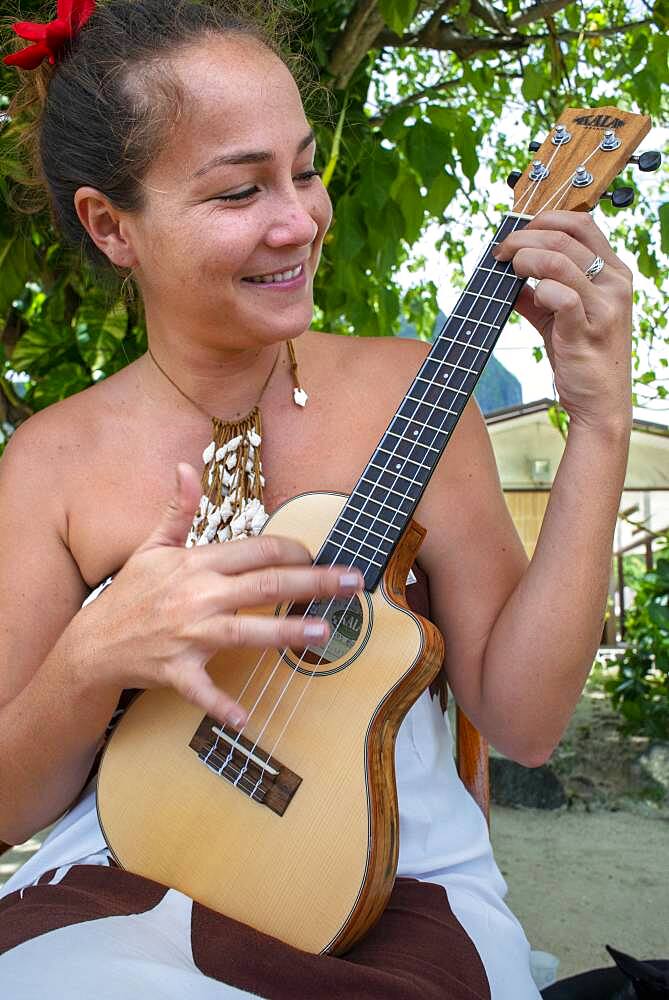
[50, 38]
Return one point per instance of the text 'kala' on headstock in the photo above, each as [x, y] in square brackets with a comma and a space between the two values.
[576, 163]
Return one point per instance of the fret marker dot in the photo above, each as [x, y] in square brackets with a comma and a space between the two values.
[415, 433]
[398, 465]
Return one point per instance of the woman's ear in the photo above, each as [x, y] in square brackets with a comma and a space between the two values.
[105, 226]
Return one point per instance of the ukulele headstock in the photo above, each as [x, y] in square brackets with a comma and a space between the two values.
[575, 164]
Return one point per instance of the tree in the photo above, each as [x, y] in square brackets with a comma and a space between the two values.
[421, 105]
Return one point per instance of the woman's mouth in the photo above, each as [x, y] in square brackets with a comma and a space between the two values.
[290, 278]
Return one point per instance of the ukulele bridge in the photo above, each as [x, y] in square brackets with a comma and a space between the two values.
[246, 766]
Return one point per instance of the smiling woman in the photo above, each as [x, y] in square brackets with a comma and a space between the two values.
[173, 144]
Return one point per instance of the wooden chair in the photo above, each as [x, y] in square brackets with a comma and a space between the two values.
[472, 761]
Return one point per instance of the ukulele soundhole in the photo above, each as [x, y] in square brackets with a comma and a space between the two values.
[348, 622]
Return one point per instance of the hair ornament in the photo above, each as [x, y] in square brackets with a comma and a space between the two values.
[49, 38]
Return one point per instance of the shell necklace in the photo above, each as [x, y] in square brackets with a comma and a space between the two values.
[231, 505]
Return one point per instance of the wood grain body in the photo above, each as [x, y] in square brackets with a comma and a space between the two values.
[320, 875]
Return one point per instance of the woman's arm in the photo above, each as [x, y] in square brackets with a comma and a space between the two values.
[52, 715]
[520, 639]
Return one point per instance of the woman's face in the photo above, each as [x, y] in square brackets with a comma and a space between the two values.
[231, 200]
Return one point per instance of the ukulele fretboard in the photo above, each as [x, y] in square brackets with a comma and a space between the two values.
[386, 494]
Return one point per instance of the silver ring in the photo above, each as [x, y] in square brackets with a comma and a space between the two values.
[594, 269]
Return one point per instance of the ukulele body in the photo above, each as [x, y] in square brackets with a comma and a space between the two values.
[313, 864]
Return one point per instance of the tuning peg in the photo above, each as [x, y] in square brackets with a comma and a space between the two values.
[534, 146]
[621, 197]
[514, 177]
[650, 160]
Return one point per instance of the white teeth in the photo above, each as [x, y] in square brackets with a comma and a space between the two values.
[267, 279]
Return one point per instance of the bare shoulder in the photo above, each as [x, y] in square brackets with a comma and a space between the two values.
[383, 365]
[46, 449]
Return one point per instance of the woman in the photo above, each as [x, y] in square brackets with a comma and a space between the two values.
[174, 143]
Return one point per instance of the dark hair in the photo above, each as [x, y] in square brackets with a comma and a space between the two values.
[106, 108]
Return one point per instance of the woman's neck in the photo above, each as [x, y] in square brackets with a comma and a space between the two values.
[221, 382]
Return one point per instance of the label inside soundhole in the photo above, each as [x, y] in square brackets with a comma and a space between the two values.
[344, 616]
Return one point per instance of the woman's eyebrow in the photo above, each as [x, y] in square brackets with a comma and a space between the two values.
[249, 156]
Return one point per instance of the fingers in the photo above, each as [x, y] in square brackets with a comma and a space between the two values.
[197, 687]
[578, 295]
[247, 554]
[273, 585]
[560, 230]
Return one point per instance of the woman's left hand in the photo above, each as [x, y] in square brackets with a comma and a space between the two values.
[586, 325]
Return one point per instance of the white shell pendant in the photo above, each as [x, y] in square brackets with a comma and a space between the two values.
[233, 474]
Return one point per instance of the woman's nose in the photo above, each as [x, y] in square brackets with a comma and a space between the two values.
[292, 223]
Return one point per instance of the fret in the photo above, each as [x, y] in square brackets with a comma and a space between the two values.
[451, 388]
[366, 549]
[403, 438]
[396, 454]
[388, 489]
[492, 298]
[426, 402]
[342, 549]
[413, 420]
[453, 364]
[367, 510]
[493, 270]
[392, 472]
[476, 322]
[362, 543]
[374, 520]
[361, 527]
[463, 343]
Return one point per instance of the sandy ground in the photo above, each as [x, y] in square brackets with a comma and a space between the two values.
[579, 880]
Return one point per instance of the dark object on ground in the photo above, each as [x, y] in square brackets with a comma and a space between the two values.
[631, 980]
[512, 784]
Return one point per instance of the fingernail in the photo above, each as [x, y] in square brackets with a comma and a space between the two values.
[236, 719]
[350, 580]
[316, 630]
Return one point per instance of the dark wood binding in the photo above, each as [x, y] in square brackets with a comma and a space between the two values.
[383, 808]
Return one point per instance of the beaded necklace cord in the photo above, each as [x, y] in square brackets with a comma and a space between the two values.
[231, 505]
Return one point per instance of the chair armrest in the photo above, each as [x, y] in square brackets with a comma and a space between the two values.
[472, 761]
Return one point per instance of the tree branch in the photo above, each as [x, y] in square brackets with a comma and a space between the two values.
[362, 27]
[406, 102]
[537, 11]
[450, 39]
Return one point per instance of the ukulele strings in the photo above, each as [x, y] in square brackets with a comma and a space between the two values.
[528, 197]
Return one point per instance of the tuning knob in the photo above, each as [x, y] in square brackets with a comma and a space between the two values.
[514, 177]
[621, 197]
[534, 146]
[648, 161]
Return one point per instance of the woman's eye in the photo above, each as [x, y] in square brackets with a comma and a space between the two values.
[240, 195]
[307, 175]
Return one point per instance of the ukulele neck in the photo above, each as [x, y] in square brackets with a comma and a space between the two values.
[385, 496]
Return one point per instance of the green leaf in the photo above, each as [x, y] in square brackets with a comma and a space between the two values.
[535, 83]
[427, 149]
[659, 615]
[440, 193]
[62, 381]
[99, 330]
[40, 347]
[398, 13]
[664, 227]
[17, 265]
[348, 232]
[412, 204]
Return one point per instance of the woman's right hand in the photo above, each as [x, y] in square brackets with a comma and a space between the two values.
[171, 608]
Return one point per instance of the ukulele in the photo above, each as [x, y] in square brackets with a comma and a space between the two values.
[290, 825]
